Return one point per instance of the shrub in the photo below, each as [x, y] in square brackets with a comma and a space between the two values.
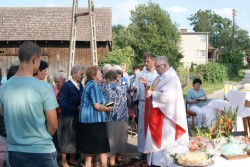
[233, 62]
[212, 72]
[192, 67]
[183, 74]
[118, 56]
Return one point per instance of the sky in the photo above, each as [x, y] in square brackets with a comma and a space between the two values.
[179, 10]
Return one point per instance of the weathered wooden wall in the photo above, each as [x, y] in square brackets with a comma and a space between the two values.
[55, 52]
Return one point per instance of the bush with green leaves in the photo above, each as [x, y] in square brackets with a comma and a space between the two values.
[212, 72]
[118, 56]
[183, 74]
[192, 67]
[233, 62]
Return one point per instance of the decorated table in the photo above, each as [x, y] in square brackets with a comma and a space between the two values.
[219, 104]
[220, 162]
[214, 146]
[218, 152]
[236, 99]
[215, 107]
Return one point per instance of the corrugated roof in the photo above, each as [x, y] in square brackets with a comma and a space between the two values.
[51, 23]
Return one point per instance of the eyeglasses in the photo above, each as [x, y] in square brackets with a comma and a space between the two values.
[159, 65]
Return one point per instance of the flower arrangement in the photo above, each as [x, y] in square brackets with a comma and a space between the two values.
[199, 143]
[217, 140]
[203, 144]
[201, 132]
[222, 127]
[224, 123]
[211, 140]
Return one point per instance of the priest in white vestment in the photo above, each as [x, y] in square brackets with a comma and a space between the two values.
[165, 119]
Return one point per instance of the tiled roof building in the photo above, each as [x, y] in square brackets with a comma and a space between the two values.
[51, 24]
[50, 28]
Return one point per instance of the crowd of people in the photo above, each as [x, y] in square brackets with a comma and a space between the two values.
[40, 123]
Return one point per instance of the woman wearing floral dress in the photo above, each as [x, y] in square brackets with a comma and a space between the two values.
[117, 119]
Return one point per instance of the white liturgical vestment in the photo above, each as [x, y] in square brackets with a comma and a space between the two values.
[167, 98]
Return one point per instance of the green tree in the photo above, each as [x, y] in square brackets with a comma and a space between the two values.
[121, 37]
[241, 40]
[121, 55]
[232, 47]
[117, 28]
[121, 50]
[233, 61]
[220, 29]
[232, 57]
[208, 21]
[153, 30]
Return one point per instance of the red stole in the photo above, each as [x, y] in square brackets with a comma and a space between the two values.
[153, 118]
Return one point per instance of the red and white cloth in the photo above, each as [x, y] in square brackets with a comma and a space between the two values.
[165, 118]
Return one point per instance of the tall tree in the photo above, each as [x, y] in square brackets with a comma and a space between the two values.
[121, 55]
[117, 28]
[233, 57]
[232, 46]
[208, 21]
[153, 30]
[121, 50]
[121, 36]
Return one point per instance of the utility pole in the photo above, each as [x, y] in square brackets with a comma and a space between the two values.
[233, 29]
[93, 44]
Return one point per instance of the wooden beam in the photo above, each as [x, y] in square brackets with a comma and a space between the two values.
[82, 14]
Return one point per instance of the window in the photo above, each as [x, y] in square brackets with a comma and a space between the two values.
[201, 53]
[201, 38]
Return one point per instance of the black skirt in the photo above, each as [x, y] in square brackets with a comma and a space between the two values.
[93, 138]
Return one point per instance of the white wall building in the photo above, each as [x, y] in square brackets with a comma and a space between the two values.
[194, 47]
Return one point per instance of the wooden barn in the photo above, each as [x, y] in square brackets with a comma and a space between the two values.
[50, 28]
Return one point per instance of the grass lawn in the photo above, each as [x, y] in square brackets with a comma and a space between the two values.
[208, 88]
[211, 88]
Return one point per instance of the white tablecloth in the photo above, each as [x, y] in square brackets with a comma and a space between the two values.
[215, 107]
[237, 99]
[222, 162]
[219, 104]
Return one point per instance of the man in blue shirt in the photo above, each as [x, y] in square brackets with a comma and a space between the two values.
[29, 107]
